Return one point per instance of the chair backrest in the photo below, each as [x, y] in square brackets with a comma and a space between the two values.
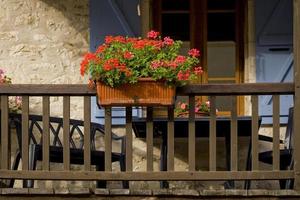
[56, 129]
[288, 141]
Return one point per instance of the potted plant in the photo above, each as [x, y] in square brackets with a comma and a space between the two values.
[136, 71]
[202, 108]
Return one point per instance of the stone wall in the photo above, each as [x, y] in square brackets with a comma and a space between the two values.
[42, 41]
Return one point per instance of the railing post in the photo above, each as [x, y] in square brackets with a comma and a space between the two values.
[296, 45]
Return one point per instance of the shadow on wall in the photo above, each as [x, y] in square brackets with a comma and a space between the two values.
[76, 11]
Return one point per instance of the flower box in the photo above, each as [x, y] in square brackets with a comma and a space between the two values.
[120, 62]
[144, 93]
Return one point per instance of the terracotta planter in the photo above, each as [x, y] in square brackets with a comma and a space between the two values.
[144, 93]
[197, 114]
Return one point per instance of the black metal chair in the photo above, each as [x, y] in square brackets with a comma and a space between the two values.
[286, 154]
[56, 147]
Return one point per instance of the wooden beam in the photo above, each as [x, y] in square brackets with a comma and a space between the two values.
[107, 138]
[128, 128]
[296, 21]
[87, 133]
[149, 138]
[192, 134]
[200, 89]
[141, 176]
[236, 89]
[47, 89]
[5, 139]
[46, 132]
[66, 132]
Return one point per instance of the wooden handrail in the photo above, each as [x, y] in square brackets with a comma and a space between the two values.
[237, 89]
[199, 89]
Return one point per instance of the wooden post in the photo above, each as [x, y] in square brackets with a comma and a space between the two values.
[128, 139]
[107, 138]
[297, 92]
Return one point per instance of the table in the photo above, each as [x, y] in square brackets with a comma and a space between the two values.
[201, 130]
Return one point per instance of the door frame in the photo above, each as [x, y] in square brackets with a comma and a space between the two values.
[198, 37]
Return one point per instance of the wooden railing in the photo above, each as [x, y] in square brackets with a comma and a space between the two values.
[67, 91]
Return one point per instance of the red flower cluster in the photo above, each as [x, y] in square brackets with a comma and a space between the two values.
[194, 52]
[101, 48]
[180, 59]
[109, 39]
[84, 64]
[114, 64]
[123, 60]
[183, 75]
[128, 55]
[198, 70]
[168, 41]
[152, 34]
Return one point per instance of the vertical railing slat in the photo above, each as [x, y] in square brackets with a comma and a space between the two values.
[149, 138]
[212, 135]
[107, 139]
[276, 130]
[87, 133]
[66, 132]
[234, 137]
[192, 138]
[170, 159]
[254, 128]
[128, 149]
[46, 132]
[4, 133]
[25, 132]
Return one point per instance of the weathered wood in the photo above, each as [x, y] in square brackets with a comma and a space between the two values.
[141, 176]
[79, 191]
[296, 46]
[100, 191]
[46, 132]
[41, 191]
[14, 191]
[192, 137]
[4, 133]
[197, 89]
[170, 145]
[254, 137]
[234, 137]
[107, 139]
[212, 135]
[128, 139]
[119, 192]
[87, 133]
[276, 130]
[66, 132]
[140, 192]
[47, 89]
[25, 132]
[149, 138]
[237, 89]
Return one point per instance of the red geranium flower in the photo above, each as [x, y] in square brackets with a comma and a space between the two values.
[128, 55]
[152, 34]
[168, 41]
[194, 52]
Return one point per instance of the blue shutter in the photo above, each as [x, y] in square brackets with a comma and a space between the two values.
[274, 58]
[112, 17]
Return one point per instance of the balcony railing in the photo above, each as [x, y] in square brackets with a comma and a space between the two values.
[232, 91]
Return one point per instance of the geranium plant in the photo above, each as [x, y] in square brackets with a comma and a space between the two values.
[15, 102]
[122, 60]
[182, 107]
